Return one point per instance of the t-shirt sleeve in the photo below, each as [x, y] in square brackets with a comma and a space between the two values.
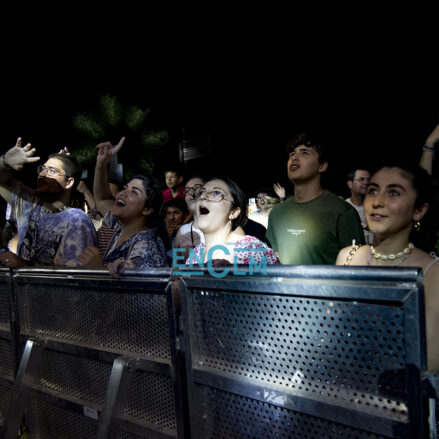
[270, 235]
[81, 234]
[349, 228]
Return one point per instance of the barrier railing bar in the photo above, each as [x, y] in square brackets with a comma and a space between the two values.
[157, 365]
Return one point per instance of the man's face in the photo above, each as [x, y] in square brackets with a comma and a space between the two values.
[360, 182]
[303, 164]
[174, 218]
[53, 180]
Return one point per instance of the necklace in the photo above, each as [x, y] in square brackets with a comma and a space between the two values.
[401, 255]
[391, 256]
[54, 210]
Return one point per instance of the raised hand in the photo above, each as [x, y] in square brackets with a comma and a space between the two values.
[433, 137]
[18, 156]
[106, 150]
[280, 190]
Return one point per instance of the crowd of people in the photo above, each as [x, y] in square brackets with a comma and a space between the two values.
[389, 218]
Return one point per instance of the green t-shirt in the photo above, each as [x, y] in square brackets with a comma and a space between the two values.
[315, 231]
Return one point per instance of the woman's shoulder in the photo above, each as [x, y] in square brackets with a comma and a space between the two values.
[353, 255]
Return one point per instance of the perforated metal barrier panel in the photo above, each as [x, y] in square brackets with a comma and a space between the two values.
[84, 321]
[305, 352]
[302, 352]
[7, 343]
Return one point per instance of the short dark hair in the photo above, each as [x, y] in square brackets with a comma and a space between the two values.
[311, 141]
[176, 170]
[178, 203]
[239, 200]
[351, 174]
[70, 165]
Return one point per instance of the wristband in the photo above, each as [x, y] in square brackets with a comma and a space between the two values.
[428, 148]
[3, 163]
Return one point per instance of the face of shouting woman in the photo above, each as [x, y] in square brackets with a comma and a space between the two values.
[215, 207]
[389, 204]
[130, 202]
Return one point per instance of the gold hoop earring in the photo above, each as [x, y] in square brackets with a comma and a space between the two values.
[417, 226]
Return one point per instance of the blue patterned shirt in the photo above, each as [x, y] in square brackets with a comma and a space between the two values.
[51, 238]
[143, 250]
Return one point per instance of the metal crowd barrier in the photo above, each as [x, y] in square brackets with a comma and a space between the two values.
[299, 352]
[100, 357]
[8, 345]
[306, 352]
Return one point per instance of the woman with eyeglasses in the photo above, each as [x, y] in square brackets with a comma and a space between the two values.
[399, 206]
[222, 210]
[133, 214]
[189, 235]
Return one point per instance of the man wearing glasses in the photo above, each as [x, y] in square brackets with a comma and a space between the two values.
[358, 180]
[49, 232]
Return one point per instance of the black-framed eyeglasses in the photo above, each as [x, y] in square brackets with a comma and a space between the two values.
[50, 171]
[214, 196]
[366, 179]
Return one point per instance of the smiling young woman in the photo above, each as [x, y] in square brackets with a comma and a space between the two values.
[398, 202]
[134, 216]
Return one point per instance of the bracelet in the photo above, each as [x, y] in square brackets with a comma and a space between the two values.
[3, 163]
[428, 148]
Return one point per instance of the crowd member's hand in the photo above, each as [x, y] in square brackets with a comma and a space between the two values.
[91, 257]
[279, 190]
[82, 187]
[433, 138]
[115, 267]
[18, 156]
[107, 150]
[11, 260]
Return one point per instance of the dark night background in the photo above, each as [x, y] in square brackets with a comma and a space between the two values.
[250, 105]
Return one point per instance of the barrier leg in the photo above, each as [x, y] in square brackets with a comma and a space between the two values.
[22, 387]
[115, 399]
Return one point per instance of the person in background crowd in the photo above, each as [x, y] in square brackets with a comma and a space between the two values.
[189, 235]
[264, 204]
[173, 180]
[357, 182]
[174, 214]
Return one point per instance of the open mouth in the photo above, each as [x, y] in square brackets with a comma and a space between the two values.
[204, 210]
[120, 203]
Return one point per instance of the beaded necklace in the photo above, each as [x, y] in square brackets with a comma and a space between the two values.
[403, 255]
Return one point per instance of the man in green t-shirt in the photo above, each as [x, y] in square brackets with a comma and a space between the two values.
[313, 225]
